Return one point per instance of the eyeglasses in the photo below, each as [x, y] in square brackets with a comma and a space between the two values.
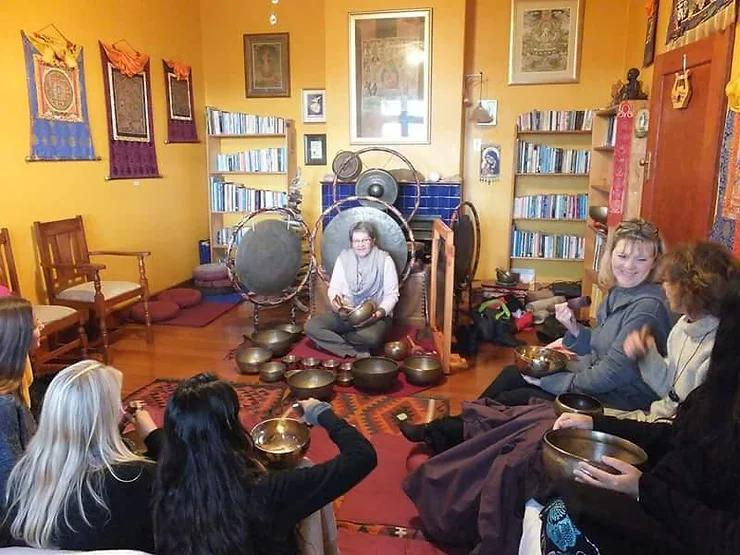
[637, 228]
[361, 241]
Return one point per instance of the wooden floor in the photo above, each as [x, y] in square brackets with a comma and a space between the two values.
[180, 352]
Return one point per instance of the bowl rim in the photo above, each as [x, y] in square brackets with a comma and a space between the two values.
[254, 335]
[356, 309]
[599, 404]
[328, 373]
[600, 436]
[389, 359]
[433, 357]
[262, 422]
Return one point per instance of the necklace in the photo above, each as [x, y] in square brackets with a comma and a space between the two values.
[672, 395]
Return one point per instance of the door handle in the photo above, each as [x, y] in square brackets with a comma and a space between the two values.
[645, 164]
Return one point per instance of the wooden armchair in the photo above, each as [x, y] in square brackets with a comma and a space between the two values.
[55, 318]
[72, 280]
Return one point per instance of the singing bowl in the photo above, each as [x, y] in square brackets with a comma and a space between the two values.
[361, 312]
[598, 213]
[422, 369]
[538, 361]
[578, 403]
[272, 371]
[281, 442]
[278, 341]
[330, 364]
[507, 276]
[316, 382]
[295, 330]
[292, 362]
[310, 362]
[397, 350]
[249, 359]
[563, 449]
[374, 374]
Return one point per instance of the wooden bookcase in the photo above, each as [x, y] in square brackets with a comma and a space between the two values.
[220, 143]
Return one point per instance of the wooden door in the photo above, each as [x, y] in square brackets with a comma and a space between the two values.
[683, 145]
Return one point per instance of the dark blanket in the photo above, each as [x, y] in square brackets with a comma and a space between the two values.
[473, 495]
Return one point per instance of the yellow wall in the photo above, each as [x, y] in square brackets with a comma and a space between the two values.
[166, 216]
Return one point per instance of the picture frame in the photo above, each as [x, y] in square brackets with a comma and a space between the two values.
[545, 41]
[390, 77]
[267, 65]
[314, 105]
[314, 149]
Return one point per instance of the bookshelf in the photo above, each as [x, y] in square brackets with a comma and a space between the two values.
[251, 161]
[550, 202]
[606, 126]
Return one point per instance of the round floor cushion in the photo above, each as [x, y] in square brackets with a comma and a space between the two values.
[183, 297]
[211, 272]
[158, 311]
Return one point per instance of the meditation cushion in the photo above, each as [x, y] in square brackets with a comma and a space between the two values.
[158, 311]
[210, 272]
[418, 455]
[181, 296]
[213, 284]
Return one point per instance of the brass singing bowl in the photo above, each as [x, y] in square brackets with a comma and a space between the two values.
[292, 362]
[361, 312]
[563, 449]
[315, 382]
[397, 350]
[330, 364]
[272, 371]
[578, 403]
[281, 442]
[374, 374]
[422, 369]
[310, 362]
[599, 213]
[278, 341]
[249, 359]
[537, 362]
[295, 330]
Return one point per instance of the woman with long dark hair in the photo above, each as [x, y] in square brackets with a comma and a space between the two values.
[213, 497]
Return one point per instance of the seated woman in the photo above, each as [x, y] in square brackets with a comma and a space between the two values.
[213, 496]
[361, 272]
[687, 499]
[78, 486]
[27, 379]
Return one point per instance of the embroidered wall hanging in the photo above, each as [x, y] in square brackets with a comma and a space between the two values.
[726, 229]
[57, 98]
[179, 93]
[693, 20]
[622, 148]
[651, 9]
[128, 102]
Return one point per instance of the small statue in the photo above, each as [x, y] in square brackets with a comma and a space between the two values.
[631, 90]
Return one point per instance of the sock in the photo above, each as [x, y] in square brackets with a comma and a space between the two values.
[413, 432]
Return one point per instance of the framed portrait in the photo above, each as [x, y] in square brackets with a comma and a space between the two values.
[314, 149]
[545, 41]
[314, 105]
[267, 65]
[389, 77]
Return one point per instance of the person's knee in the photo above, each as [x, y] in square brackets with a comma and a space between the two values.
[314, 326]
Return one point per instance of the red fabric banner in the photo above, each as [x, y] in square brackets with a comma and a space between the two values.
[622, 149]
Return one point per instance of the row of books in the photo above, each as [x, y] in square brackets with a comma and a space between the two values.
[538, 158]
[269, 160]
[555, 120]
[599, 244]
[611, 132]
[223, 235]
[552, 207]
[535, 244]
[238, 123]
[235, 197]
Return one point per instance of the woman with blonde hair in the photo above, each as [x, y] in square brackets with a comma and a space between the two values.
[78, 486]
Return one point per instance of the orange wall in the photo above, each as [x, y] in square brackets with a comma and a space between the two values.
[166, 216]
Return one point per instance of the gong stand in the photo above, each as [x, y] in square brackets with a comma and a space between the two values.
[466, 225]
[442, 291]
[268, 242]
[351, 164]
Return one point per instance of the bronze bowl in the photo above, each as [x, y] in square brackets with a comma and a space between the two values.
[361, 312]
[599, 213]
[330, 364]
[278, 341]
[578, 403]
[374, 374]
[272, 371]
[295, 330]
[310, 362]
[563, 449]
[281, 442]
[344, 378]
[538, 361]
[292, 362]
[422, 369]
[397, 350]
[249, 359]
[315, 382]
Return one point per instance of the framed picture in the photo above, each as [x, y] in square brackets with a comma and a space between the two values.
[389, 77]
[314, 150]
[545, 41]
[267, 65]
[314, 105]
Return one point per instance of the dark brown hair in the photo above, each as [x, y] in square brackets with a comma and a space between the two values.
[16, 335]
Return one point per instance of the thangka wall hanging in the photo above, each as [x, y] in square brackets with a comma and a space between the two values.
[128, 102]
[55, 74]
[179, 92]
[692, 20]
[726, 229]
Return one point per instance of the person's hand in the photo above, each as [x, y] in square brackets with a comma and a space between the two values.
[565, 316]
[312, 408]
[627, 481]
[572, 420]
[638, 343]
[144, 423]
[337, 303]
[374, 317]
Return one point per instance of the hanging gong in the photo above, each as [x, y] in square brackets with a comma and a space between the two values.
[464, 247]
[268, 257]
[390, 237]
[346, 165]
[377, 183]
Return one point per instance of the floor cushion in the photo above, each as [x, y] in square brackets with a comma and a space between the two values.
[183, 297]
[158, 311]
[213, 284]
[211, 272]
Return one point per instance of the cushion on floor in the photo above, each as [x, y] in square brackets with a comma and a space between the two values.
[158, 311]
[210, 272]
[213, 284]
[183, 297]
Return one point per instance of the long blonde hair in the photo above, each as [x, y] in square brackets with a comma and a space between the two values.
[77, 441]
[634, 232]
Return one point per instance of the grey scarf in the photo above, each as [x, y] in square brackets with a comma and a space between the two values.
[364, 275]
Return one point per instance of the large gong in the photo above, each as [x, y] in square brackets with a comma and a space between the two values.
[466, 225]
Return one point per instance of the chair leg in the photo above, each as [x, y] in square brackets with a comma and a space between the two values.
[147, 320]
[104, 337]
[102, 312]
[83, 337]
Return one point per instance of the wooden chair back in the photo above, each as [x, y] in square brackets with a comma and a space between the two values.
[62, 242]
[8, 274]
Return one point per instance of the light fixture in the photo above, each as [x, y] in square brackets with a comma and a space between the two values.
[479, 114]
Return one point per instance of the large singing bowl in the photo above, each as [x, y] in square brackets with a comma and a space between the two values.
[281, 442]
[538, 362]
[578, 403]
[374, 374]
[249, 359]
[278, 341]
[422, 369]
[315, 382]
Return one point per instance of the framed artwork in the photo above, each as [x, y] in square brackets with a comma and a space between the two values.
[545, 41]
[314, 105]
[491, 107]
[651, 7]
[490, 163]
[129, 106]
[267, 65]
[314, 150]
[389, 77]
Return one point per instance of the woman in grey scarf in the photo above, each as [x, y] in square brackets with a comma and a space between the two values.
[361, 272]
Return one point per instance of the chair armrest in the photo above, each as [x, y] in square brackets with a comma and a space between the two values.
[84, 267]
[120, 253]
